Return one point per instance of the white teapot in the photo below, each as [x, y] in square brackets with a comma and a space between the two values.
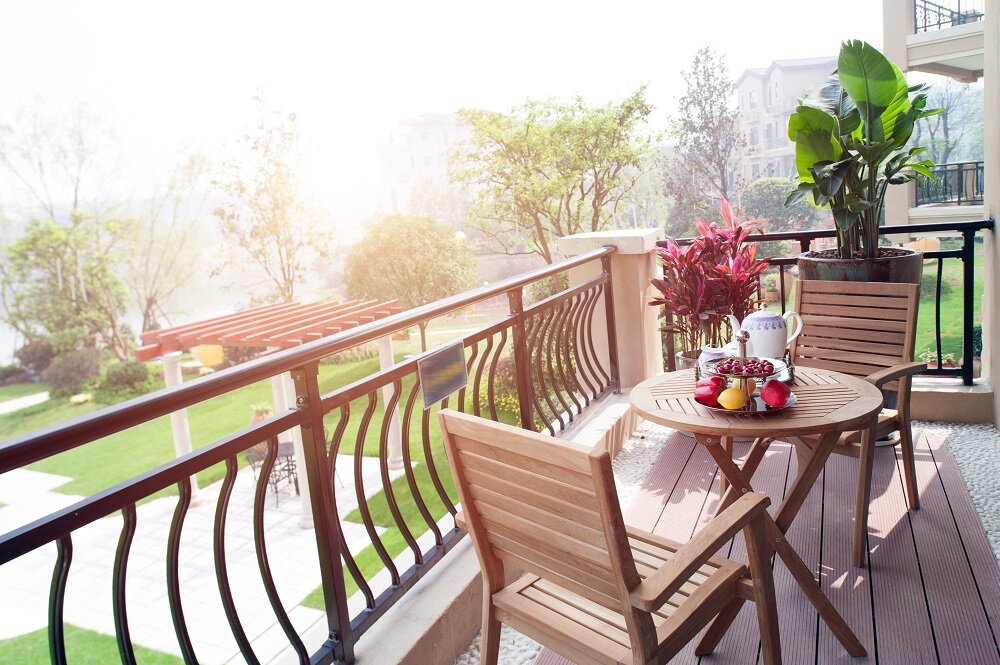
[769, 332]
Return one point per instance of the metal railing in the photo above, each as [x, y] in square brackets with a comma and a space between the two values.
[944, 14]
[957, 183]
[551, 362]
[965, 253]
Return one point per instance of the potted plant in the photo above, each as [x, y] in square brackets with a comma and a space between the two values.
[850, 146]
[770, 284]
[704, 281]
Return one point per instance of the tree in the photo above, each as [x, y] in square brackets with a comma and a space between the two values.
[550, 169]
[955, 134]
[411, 259]
[59, 282]
[764, 201]
[267, 216]
[708, 138]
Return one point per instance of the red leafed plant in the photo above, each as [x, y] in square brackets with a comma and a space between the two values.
[715, 275]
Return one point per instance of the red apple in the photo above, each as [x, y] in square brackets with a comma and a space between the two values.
[706, 395]
[775, 394]
[716, 382]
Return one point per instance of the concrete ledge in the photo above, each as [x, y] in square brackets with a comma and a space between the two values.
[628, 241]
[607, 424]
[948, 401]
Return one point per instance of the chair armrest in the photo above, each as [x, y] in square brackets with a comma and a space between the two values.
[653, 591]
[882, 377]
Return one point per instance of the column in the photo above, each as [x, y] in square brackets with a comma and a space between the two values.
[283, 394]
[991, 184]
[178, 419]
[386, 360]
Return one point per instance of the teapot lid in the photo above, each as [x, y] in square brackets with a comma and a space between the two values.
[760, 314]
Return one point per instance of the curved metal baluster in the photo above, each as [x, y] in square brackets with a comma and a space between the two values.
[173, 568]
[491, 379]
[531, 327]
[581, 347]
[219, 550]
[538, 345]
[478, 380]
[560, 353]
[352, 566]
[408, 464]
[590, 339]
[570, 352]
[118, 607]
[383, 463]
[425, 432]
[359, 489]
[551, 334]
[260, 493]
[468, 367]
[57, 597]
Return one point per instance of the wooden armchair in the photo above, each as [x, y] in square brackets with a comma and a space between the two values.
[593, 590]
[865, 329]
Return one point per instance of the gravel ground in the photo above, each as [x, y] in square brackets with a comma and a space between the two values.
[976, 449]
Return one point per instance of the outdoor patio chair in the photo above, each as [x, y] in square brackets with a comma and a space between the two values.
[284, 465]
[865, 329]
[593, 590]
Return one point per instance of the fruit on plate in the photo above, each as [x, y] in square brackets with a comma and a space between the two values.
[717, 382]
[751, 386]
[745, 367]
[775, 394]
[732, 399]
[707, 395]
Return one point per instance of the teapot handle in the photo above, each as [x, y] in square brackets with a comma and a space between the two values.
[798, 328]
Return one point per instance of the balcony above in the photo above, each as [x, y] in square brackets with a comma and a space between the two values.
[947, 39]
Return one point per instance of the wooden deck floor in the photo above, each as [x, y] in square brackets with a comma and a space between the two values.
[931, 593]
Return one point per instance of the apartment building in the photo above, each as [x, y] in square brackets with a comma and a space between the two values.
[767, 96]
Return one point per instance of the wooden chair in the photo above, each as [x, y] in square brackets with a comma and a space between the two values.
[593, 590]
[865, 329]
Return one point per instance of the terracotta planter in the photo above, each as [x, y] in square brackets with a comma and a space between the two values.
[896, 269]
[771, 296]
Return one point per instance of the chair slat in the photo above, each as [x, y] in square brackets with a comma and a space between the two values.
[520, 478]
[870, 312]
[897, 302]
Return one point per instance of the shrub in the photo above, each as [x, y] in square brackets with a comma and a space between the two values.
[12, 374]
[36, 355]
[977, 340]
[72, 371]
[928, 286]
[127, 377]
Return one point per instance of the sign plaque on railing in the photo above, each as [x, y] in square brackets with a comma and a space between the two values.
[442, 372]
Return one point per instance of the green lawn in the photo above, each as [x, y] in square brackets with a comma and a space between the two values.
[15, 390]
[83, 647]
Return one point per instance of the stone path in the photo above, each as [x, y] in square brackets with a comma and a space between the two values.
[23, 402]
[291, 552]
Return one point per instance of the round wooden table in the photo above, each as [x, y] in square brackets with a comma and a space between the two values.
[828, 404]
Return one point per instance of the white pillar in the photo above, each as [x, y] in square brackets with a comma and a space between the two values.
[991, 186]
[386, 360]
[178, 419]
[283, 394]
[637, 328]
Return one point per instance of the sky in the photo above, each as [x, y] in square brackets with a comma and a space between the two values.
[167, 76]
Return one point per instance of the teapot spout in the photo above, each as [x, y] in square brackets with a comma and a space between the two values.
[735, 323]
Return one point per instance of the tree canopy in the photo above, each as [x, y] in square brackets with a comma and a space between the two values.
[411, 259]
[548, 169]
[763, 200]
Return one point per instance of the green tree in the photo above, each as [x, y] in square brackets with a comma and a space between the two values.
[763, 200]
[550, 169]
[411, 259]
[59, 282]
[266, 215]
[708, 140]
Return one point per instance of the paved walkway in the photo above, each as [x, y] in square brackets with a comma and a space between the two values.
[291, 551]
[23, 402]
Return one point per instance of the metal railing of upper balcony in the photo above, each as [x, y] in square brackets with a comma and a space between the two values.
[967, 231]
[957, 183]
[548, 348]
[945, 14]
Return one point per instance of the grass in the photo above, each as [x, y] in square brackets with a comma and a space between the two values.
[15, 390]
[83, 647]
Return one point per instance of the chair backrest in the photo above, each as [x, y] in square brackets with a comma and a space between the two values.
[542, 505]
[857, 328]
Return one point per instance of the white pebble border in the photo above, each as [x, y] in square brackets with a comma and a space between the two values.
[976, 448]
[631, 466]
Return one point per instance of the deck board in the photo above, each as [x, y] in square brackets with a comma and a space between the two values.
[930, 595]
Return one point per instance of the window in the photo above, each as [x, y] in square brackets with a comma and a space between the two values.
[754, 136]
[753, 99]
[755, 171]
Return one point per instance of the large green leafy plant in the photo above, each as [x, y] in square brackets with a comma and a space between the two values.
[851, 144]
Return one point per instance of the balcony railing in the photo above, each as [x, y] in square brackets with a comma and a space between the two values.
[549, 349]
[958, 183]
[965, 253]
[944, 14]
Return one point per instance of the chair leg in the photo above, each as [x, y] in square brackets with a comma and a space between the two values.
[909, 464]
[489, 648]
[759, 555]
[863, 497]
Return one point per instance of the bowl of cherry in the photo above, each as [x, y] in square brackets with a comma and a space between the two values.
[743, 368]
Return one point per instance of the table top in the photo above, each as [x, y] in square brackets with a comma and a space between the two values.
[827, 401]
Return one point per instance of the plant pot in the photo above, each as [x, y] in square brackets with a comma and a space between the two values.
[686, 359]
[904, 269]
[771, 296]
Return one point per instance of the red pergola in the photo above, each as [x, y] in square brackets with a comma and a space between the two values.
[273, 326]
